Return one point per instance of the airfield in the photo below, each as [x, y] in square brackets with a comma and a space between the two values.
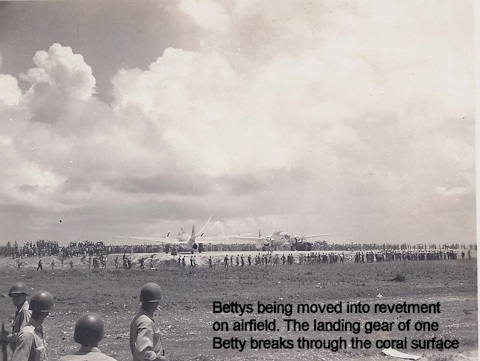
[186, 317]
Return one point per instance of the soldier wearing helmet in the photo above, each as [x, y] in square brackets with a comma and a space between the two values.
[30, 341]
[145, 341]
[18, 292]
[88, 333]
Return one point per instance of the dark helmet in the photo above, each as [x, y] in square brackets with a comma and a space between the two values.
[88, 330]
[18, 288]
[41, 301]
[151, 292]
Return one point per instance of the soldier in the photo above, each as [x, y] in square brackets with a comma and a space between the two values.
[30, 341]
[145, 341]
[18, 292]
[88, 333]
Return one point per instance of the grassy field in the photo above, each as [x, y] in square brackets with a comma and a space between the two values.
[186, 316]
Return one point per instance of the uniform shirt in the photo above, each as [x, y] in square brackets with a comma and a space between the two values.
[22, 316]
[30, 343]
[87, 353]
[145, 342]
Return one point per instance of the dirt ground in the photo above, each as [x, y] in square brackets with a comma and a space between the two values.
[187, 319]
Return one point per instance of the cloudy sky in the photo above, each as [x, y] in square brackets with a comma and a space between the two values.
[354, 118]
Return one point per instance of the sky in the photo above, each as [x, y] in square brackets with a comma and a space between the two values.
[353, 118]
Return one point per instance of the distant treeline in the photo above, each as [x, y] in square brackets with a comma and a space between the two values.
[42, 248]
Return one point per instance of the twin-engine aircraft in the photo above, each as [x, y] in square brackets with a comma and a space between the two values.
[191, 242]
[278, 238]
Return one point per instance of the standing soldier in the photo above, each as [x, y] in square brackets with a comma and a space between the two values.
[145, 341]
[225, 261]
[18, 292]
[30, 341]
[40, 264]
[88, 333]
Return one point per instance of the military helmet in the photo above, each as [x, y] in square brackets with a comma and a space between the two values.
[151, 292]
[41, 301]
[18, 288]
[88, 330]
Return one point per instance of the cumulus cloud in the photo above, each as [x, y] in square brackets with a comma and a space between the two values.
[61, 69]
[10, 93]
[354, 118]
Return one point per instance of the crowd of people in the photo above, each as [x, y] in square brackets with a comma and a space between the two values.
[27, 339]
[43, 248]
[277, 259]
[130, 261]
[95, 255]
[314, 258]
[390, 255]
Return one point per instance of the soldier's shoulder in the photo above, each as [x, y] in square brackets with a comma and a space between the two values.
[141, 320]
[91, 356]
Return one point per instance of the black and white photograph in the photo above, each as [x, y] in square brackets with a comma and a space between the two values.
[213, 180]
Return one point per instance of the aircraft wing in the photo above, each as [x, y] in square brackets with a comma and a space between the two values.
[152, 239]
[229, 239]
[317, 235]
